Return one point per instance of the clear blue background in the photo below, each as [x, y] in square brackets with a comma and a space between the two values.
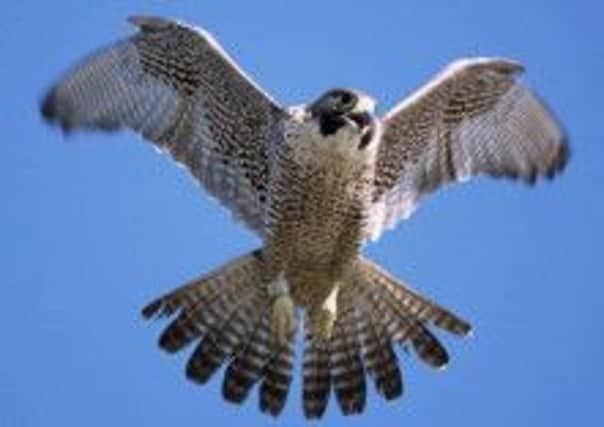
[94, 227]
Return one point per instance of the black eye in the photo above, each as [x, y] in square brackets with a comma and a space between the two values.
[346, 98]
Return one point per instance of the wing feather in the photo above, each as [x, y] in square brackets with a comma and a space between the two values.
[174, 85]
[473, 118]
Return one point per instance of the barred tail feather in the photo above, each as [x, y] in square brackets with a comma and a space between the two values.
[428, 347]
[201, 303]
[221, 340]
[379, 357]
[407, 314]
[247, 367]
[316, 375]
[228, 312]
[347, 371]
[277, 379]
[377, 326]
[374, 311]
[409, 304]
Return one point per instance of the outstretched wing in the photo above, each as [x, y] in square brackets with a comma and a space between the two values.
[473, 118]
[176, 86]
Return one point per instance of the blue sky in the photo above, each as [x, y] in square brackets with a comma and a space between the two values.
[93, 227]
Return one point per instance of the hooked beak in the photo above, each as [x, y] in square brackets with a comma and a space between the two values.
[362, 120]
[366, 122]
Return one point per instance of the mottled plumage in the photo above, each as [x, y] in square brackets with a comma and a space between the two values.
[474, 118]
[314, 182]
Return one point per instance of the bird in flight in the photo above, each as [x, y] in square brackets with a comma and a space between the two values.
[315, 182]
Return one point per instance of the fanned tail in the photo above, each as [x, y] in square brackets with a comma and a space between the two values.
[374, 311]
[228, 312]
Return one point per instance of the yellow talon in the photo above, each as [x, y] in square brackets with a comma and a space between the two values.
[282, 319]
[324, 321]
[324, 317]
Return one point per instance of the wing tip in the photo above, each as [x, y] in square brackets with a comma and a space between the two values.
[48, 106]
[55, 113]
[559, 152]
[560, 158]
[557, 163]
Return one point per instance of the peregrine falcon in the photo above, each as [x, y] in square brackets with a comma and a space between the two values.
[314, 182]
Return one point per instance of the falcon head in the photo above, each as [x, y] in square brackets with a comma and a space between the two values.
[340, 108]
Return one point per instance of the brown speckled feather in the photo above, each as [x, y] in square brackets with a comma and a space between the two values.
[473, 118]
[175, 85]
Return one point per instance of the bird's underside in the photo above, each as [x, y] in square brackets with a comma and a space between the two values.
[314, 182]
